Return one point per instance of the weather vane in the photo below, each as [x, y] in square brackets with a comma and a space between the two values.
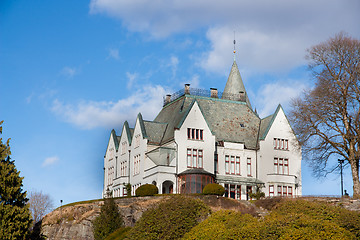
[234, 46]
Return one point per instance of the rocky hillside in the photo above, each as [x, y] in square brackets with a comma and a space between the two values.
[74, 221]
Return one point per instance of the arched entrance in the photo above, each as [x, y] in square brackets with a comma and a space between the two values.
[167, 186]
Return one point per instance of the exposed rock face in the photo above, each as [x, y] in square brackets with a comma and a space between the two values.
[74, 222]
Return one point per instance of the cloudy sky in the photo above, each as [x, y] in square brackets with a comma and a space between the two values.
[70, 71]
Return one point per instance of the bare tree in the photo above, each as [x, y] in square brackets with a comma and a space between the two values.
[326, 118]
[40, 204]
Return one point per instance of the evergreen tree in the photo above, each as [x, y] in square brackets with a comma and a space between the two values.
[15, 217]
[108, 221]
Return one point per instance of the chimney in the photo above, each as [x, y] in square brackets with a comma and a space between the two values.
[167, 99]
[187, 88]
[213, 92]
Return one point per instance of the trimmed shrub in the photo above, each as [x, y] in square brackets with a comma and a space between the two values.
[146, 190]
[171, 219]
[214, 189]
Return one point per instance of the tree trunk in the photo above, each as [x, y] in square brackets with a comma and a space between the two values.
[355, 174]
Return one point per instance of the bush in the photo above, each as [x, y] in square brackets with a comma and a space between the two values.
[171, 219]
[146, 190]
[119, 234]
[214, 189]
[225, 224]
[108, 221]
[290, 219]
[258, 194]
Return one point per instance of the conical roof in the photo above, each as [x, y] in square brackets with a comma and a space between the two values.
[234, 88]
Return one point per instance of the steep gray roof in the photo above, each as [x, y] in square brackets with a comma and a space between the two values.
[230, 121]
[155, 131]
[235, 85]
[264, 126]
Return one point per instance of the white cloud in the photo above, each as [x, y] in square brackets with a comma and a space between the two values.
[271, 95]
[50, 161]
[254, 50]
[90, 114]
[69, 71]
[131, 79]
[270, 34]
[113, 53]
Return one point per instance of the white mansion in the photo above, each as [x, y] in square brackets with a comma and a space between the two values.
[200, 137]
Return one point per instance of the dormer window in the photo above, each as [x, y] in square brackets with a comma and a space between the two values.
[195, 134]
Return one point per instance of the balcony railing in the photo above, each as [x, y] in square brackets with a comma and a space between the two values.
[241, 97]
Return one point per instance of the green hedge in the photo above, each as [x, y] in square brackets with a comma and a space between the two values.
[289, 219]
[171, 219]
[146, 190]
[214, 189]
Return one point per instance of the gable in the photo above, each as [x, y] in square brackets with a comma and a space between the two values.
[113, 144]
[277, 122]
[194, 117]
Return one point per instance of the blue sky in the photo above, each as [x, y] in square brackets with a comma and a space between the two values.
[70, 71]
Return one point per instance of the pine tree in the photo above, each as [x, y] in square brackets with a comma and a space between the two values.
[108, 221]
[15, 217]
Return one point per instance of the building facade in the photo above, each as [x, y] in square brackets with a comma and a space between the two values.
[201, 137]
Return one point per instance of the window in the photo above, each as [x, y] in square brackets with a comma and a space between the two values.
[189, 157]
[137, 164]
[279, 191]
[237, 167]
[276, 166]
[194, 158]
[195, 134]
[232, 166]
[238, 192]
[249, 167]
[281, 144]
[290, 191]
[284, 190]
[200, 159]
[271, 190]
[286, 166]
[281, 166]
[275, 143]
[227, 164]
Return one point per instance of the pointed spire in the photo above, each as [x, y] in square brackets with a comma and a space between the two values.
[234, 88]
